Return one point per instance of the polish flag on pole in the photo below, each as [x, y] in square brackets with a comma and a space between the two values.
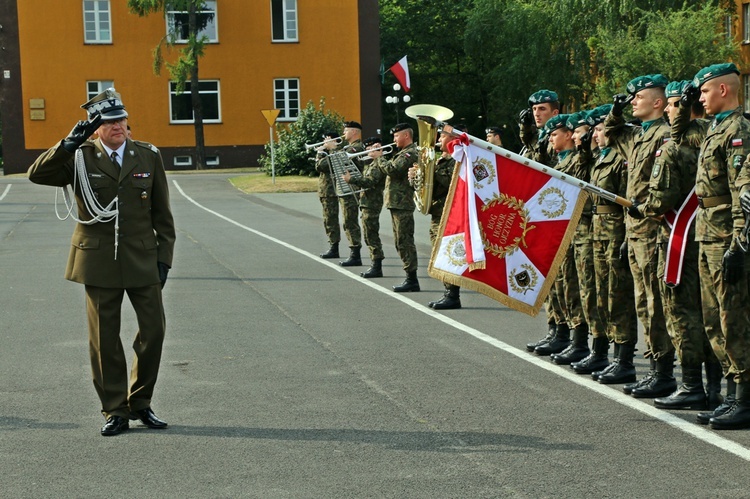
[401, 71]
[506, 226]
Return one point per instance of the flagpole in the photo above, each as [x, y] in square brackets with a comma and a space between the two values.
[609, 196]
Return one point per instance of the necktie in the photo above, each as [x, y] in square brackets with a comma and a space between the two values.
[113, 157]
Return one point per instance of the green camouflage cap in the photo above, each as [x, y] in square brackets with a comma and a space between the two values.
[647, 81]
[714, 71]
[556, 122]
[576, 119]
[543, 96]
[598, 114]
[675, 88]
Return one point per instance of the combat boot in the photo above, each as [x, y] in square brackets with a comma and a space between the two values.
[333, 251]
[689, 395]
[375, 270]
[596, 360]
[551, 327]
[624, 370]
[738, 416]
[663, 382]
[578, 348]
[728, 403]
[354, 259]
[557, 343]
[595, 374]
[410, 283]
[628, 388]
[450, 300]
[713, 383]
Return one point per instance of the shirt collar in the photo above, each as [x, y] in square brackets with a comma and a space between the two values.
[120, 151]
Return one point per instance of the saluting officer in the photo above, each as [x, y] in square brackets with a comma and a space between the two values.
[128, 181]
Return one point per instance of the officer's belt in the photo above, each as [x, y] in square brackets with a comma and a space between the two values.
[713, 201]
[603, 209]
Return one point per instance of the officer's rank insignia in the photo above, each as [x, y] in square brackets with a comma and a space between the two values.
[523, 281]
[553, 202]
[736, 142]
[657, 169]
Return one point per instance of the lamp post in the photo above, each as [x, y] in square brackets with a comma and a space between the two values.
[394, 99]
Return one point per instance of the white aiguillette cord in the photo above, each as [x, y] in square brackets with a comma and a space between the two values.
[98, 212]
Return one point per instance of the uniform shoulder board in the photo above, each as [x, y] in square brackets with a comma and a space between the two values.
[147, 146]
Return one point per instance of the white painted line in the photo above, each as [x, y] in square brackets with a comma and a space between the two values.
[693, 429]
[5, 192]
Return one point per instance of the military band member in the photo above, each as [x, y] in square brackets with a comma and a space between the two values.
[129, 184]
[350, 208]
[327, 193]
[399, 199]
[371, 204]
[639, 145]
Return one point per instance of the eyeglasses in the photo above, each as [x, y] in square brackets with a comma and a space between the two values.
[110, 123]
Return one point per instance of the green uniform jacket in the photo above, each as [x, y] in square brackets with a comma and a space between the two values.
[373, 180]
[146, 233]
[610, 172]
[584, 164]
[441, 184]
[720, 163]
[399, 194]
[535, 148]
[639, 149]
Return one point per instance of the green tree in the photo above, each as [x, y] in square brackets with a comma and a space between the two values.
[290, 155]
[185, 70]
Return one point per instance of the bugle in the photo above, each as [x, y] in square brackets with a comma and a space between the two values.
[386, 149]
[337, 141]
[428, 130]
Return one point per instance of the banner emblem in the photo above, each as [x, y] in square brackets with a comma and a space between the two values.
[507, 225]
[523, 281]
[553, 202]
[456, 251]
[483, 169]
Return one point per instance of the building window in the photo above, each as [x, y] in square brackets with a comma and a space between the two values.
[746, 90]
[178, 28]
[182, 161]
[746, 23]
[94, 88]
[284, 20]
[212, 161]
[181, 107]
[97, 23]
[286, 98]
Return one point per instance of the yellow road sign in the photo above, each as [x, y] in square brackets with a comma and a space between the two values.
[271, 115]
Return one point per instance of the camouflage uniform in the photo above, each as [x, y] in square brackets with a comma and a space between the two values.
[371, 204]
[440, 187]
[399, 199]
[639, 146]
[721, 175]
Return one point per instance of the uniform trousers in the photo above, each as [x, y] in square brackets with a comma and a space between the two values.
[108, 364]
[403, 233]
[614, 293]
[371, 232]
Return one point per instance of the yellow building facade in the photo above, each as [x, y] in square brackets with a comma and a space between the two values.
[261, 55]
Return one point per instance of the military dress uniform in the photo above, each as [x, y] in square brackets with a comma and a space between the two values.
[639, 145]
[112, 262]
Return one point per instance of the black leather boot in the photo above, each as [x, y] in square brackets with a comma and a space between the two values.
[557, 343]
[578, 348]
[738, 416]
[375, 270]
[705, 417]
[713, 383]
[551, 328]
[410, 283]
[690, 393]
[450, 300]
[663, 382]
[433, 302]
[354, 259]
[624, 370]
[333, 251]
[628, 388]
[596, 360]
[595, 374]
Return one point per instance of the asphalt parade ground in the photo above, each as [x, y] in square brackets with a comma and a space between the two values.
[285, 375]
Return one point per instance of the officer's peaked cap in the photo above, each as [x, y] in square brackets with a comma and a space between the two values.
[108, 104]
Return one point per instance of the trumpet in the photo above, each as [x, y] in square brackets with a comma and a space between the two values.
[337, 141]
[386, 149]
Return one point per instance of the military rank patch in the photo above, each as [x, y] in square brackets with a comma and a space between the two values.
[657, 169]
[736, 142]
[737, 161]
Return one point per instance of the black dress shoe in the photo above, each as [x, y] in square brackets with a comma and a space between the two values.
[114, 426]
[147, 417]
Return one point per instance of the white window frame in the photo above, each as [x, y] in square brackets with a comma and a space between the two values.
[745, 23]
[182, 160]
[746, 91]
[173, 92]
[288, 21]
[211, 29]
[98, 14]
[101, 86]
[283, 97]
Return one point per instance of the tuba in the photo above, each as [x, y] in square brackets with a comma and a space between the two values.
[426, 116]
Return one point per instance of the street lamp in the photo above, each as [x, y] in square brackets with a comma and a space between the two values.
[394, 99]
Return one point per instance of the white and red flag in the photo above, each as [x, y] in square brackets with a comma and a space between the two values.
[401, 71]
[506, 226]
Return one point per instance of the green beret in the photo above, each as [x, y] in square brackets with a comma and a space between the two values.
[647, 81]
[714, 71]
[675, 88]
[556, 122]
[598, 114]
[542, 96]
[576, 119]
